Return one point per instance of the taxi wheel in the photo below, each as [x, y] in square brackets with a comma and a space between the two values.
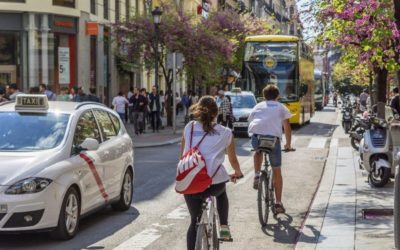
[68, 221]
[125, 197]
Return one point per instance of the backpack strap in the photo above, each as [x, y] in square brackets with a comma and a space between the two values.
[216, 171]
[191, 135]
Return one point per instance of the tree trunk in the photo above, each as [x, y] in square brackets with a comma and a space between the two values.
[371, 87]
[381, 82]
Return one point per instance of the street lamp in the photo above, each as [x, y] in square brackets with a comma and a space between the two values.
[156, 13]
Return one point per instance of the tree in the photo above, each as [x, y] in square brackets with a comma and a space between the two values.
[366, 32]
[206, 44]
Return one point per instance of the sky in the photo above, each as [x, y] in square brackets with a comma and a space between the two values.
[307, 19]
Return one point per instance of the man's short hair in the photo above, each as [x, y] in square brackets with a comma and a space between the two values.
[271, 92]
[13, 86]
[43, 85]
[396, 90]
[92, 90]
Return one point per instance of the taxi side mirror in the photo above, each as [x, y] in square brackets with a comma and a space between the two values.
[89, 144]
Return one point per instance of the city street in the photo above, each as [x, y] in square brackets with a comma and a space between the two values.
[158, 218]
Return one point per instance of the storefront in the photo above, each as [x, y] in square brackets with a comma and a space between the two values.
[37, 48]
[11, 31]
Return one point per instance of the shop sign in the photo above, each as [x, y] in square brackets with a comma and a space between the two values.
[63, 65]
[92, 29]
[63, 24]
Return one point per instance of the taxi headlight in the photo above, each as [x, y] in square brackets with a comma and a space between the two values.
[29, 186]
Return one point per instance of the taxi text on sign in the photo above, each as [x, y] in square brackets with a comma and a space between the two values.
[63, 65]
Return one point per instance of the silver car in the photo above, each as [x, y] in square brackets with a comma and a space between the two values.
[242, 104]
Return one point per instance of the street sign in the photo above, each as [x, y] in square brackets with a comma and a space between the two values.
[179, 60]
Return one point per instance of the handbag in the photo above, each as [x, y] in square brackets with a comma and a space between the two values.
[266, 142]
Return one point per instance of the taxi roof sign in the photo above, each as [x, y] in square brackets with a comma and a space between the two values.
[31, 102]
[236, 90]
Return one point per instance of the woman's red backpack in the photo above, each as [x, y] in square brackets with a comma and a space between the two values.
[192, 176]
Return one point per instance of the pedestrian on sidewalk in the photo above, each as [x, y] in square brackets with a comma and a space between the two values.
[395, 102]
[178, 102]
[3, 94]
[64, 95]
[266, 120]
[185, 103]
[119, 103]
[162, 101]
[45, 91]
[155, 107]
[139, 103]
[92, 97]
[132, 99]
[224, 110]
[213, 141]
[80, 95]
[13, 91]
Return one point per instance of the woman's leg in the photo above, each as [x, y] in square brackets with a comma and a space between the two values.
[223, 208]
[194, 206]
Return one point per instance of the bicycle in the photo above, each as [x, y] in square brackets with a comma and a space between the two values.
[266, 192]
[208, 228]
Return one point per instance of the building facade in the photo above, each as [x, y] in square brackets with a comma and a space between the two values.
[62, 43]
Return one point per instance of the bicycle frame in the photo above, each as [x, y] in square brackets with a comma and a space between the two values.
[268, 171]
[209, 215]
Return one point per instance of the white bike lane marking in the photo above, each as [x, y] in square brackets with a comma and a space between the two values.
[317, 142]
[141, 240]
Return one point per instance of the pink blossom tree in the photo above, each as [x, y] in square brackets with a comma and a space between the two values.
[366, 32]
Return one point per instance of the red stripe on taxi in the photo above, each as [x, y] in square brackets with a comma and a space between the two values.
[96, 175]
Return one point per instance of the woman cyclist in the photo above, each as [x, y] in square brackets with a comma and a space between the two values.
[218, 141]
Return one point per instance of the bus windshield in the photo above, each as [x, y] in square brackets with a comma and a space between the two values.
[274, 63]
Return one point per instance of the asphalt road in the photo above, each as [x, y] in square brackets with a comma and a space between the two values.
[158, 218]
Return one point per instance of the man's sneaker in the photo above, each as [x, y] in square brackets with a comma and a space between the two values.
[256, 181]
[279, 208]
[225, 233]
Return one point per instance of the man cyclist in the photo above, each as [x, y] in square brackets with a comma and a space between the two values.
[267, 119]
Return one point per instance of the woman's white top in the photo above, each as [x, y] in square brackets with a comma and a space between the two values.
[212, 148]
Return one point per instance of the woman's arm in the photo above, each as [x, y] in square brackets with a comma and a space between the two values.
[233, 159]
[182, 146]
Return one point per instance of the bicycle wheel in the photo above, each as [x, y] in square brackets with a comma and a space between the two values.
[215, 239]
[202, 238]
[263, 200]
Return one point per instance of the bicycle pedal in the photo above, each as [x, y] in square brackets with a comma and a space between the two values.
[226, 240]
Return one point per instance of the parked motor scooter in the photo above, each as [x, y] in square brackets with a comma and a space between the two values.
[360, 125]
[347, 118]
[376, 152]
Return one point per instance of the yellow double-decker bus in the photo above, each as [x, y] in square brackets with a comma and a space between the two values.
[286, 62]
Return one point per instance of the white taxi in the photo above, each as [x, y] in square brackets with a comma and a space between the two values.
[60, 161]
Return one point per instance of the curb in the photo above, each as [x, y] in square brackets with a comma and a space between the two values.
[311, 226]
[157, 144]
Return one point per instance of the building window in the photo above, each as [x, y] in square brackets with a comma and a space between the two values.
[13, 1]
[106, 9]
[127, 9]
[9, 53]
[117, 10]
[65, 3]
[93, 5]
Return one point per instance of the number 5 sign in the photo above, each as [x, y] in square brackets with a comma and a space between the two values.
[63, 65]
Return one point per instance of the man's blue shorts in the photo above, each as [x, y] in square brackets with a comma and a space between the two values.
[275, 157]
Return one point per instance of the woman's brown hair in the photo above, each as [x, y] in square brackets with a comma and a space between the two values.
[205, 111]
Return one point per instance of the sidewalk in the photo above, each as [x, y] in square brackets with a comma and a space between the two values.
[336, 219]
[165, 137]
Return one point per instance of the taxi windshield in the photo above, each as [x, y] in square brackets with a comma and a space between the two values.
[243, 101]
[31, 132]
